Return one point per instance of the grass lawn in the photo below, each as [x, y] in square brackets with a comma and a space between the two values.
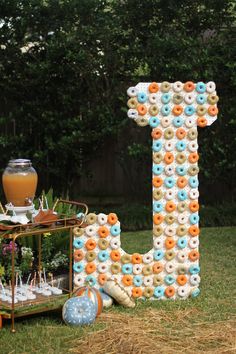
[203, 325]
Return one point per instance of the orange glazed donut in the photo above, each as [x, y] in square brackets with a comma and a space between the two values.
[90, 244]
[136, 258]
[169, 157]
[157, 267]
[194, 230]
[170, 206]
[112, 218]
[212, 111]
[181, 279]
[157, 181]
[157, 219]
[137, 292]
[170, 291]
[90, 267]
[103, 231]
[156, 133]
[193, 255]
[189, 86]
[142, 109]
[153, 87]
[127, 280]
[115, 255]
[177, 110]
[194, 206]
[182, 182]
[78, 255]
[180, 133]
[193, 157]
[201, 122]
[169, 243]
[102, 278]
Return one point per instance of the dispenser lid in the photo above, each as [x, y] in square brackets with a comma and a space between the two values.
[20, 163]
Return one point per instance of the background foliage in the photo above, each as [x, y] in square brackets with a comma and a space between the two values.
[65, 67]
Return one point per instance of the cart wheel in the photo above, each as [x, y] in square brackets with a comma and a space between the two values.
[0, 322]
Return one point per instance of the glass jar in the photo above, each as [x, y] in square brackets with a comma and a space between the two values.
[19, 182]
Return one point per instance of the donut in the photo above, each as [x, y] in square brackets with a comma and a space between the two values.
[153, 98]
[153, 110]
[91, 218]
[182, 182]
[148, 292]
[177, 98]
[126, 258]
[189, 86]
[127, 268]
[212, 99]
[157, 280]
[170, 206]
[182, 218]
[182, 206]
[165, 110]
[181, 230]
[157, 219]
[192, 134]
[169, 170]
[156, 133]
[193, 170]
[182, 291]
[136, 258]
[147, 258]
[177, 86]
[166, 121]
[115, 230]
[157, 231]
[142, 109]
[169, 133]
[169, 182]
[90, 230]
[90, 244]
[158, 255]
[195, 292]
[169, 219]
[137, 292]
[154, 122]
[165, 98]
[90, 267]
[90, 256]
[115, 243]
[137, 280]
[180, 158]
[102, 278]
[194, 279]
[78, 255]
[189, 98]
[169, 194]
[169, 255]
[169, 267]
[177, 110]
[182, 256]
[103, 231]
[157, 157]
[201, 110]
[157, 207]
[137, 268]
[182, 269]
[132, 102]
[180, 133]
[103, 243]
[153, 87]
[181, 279]
[200, 87]
[180, 146]
[148, 280]
[157, 267]
[78, 243]
[201, 122]
[170, 243]
[78, 231]
[159, 291]
[142, 121]
[193, 146]
[115, 268]
[102, 268]
[182, 195]
[103, 256]
[78, 267]
[102, 219]
[169, 279]
[157, 194]
[182, 242]
[127, 280]
[212, 111]
[165, 86]
[147, 270]
[115, 255]
[168, 157]
[157, 243]
[189, 110]
[210, 86]
[90, 280]
[194, 206]
[132, 91]
[112, 219]
[193, 242]
[193, 157]
[132, 113]
[157, 181]
[142, 97]
[201, 99]
[194, 269]
[169, 291]
[170, 231]
[193, 255]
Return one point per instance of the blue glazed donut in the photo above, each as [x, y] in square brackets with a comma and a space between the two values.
[103, 256]
[195, 292]
[78, 267]
[78, 243]
[200, 87]
[127, 268]
[193, 182]
[178, 122]
[115, 230]
[157, 169]
[168, 279]
[142, 97]
[159, 291]
[78, 311]
[194, 269]
[165, 98]
[158, 255]
[180, 145]
[201, 99]
[157, 207]
[189, 110]
[165, 110]
[156, 146]
[90, 280]
[194, 218]
[154, 122]
[182, 195]
[138, 280]
[182, 242]
[181, 170]
[169, 182]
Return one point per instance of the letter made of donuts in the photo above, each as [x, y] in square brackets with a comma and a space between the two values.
[170, 269]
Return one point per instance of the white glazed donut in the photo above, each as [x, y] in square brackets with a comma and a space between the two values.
[102, 219]
[147, 258]
[182, 256]
[169, 170]
[102, 268]
[193, 194]
[165, 122]
[189, 122]
[169, 145]
[194, 279]
[132, 91]
[189, 97]
[158, 244]
[78, 280]
[183, 291]
[183, 218]
[210, 86]
[153, 98]
[193, 146]
[115, 243]
[169, 194]
[132, 113]
[170, 231]
[177, 86]
[170, 267]
[148, 280]
[137, 268]
[193, 242]
[90, 230]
